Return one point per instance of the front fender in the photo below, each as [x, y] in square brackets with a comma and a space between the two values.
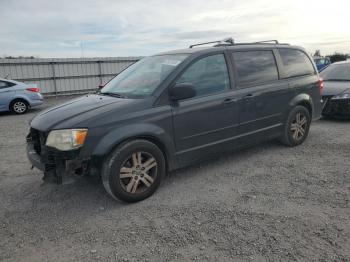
[139, 130]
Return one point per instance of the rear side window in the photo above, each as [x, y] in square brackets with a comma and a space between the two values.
[254, 67]
[296, 62]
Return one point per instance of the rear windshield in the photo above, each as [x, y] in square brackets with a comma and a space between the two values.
[340, 72]
[296, 62]
[320, 61]
[142, 78]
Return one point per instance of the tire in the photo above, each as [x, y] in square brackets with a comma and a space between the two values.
[133, 171]
[19, 106]
[297, 127]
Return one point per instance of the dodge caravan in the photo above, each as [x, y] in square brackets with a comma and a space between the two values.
[175, 108]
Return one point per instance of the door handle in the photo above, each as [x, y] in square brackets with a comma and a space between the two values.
[248, 96]
[229, 101]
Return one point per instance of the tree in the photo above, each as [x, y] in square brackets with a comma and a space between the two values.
[317, 53]
[337, 57]
[16, 57]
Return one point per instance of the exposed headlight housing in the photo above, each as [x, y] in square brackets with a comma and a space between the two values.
[342, 96]
[66, 139]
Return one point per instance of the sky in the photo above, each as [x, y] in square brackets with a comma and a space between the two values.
[112, 28]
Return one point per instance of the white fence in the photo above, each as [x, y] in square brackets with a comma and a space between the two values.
[64, 76]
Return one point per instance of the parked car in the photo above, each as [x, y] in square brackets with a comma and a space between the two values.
[336, 94]
[175, 108]
[18, 97]
[322, 62]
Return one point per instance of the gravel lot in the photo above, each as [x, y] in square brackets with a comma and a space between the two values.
[265, 203]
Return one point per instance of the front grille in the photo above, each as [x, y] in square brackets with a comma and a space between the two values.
[336, 107]
[341, 107]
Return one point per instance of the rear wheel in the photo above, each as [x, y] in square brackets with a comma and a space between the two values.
[133, 171]
[297, 127]
[19, 106]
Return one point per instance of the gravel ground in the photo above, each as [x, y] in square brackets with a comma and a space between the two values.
[265, 203]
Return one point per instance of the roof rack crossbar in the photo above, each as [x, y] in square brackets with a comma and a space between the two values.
[212, 42]
[226, 41]
[267, 41]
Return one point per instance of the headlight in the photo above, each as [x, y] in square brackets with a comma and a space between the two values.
[342, 96]
[66, 139]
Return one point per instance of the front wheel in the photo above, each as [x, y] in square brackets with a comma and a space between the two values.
[297, 127]
[133, 171]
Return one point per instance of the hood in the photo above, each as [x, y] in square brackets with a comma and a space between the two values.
[73, 113]
[332, 88]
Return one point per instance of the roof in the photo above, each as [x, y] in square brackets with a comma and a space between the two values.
[188, 50]
[9, 80]
[225, 47]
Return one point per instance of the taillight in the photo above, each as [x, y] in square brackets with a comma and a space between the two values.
[321, 85]
[33, 89]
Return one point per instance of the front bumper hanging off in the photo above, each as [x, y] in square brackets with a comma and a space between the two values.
[57, 165]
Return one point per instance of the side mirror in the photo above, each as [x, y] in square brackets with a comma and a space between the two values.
[100, 86]
[182, 91]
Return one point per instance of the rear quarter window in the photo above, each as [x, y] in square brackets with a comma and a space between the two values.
[296, 63]
[4, 84]
[255, 67]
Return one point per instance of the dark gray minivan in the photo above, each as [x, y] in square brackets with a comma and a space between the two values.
[175, 108]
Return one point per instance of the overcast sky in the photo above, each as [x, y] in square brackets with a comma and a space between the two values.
[63, 28]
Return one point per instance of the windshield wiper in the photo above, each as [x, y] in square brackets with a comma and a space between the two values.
[113, 94]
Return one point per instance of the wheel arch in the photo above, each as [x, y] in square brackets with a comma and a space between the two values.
[307, 105]
[18, 98]
[148, 137]
[303, 100]
[114, 139]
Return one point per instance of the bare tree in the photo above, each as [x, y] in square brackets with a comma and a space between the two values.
[317, 53]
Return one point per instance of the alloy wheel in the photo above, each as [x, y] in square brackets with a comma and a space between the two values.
[299, 126]
[138, 172]
[19, 107]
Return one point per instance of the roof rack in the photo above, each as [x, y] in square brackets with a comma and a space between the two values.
[267, 42]
[230, 42]
[226, 41]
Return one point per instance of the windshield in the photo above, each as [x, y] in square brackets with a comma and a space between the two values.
[142, 78]
[340, 72]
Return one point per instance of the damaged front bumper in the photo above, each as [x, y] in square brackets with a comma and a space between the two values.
[57, 165]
